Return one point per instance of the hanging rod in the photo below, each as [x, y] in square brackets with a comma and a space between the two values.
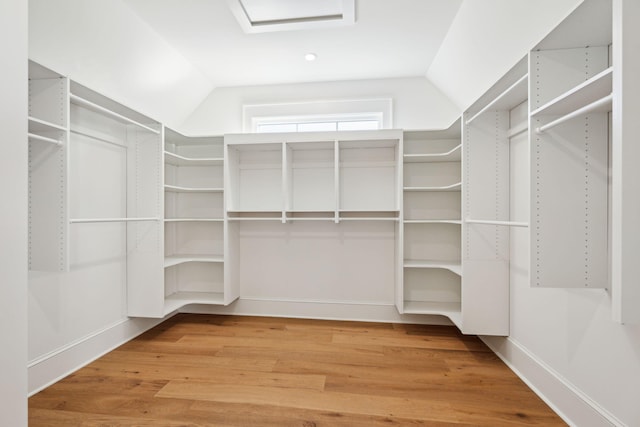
[491, 222]
[579, 112]
[498, 98]
[44, 139]
[97, 138]
[91, 220]
[83, 102]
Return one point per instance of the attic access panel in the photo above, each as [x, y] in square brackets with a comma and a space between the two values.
[257, 16]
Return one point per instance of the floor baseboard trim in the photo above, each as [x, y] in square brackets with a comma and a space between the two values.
[321, 310]
[52, 367]
[569, 402]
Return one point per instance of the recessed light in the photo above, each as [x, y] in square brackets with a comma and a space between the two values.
[310, 56]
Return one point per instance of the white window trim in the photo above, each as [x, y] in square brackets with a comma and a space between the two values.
[316, 111]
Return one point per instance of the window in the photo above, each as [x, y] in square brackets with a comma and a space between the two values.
[318, 116]
[318, 124]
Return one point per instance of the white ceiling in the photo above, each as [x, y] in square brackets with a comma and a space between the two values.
[391, 38]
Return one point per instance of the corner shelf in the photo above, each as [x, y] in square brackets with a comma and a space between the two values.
[170, 261]
[179, 299]
[452, 310]
[454, 267]
[453, 155]
[178, 160]
[178, 189]
[453, 187]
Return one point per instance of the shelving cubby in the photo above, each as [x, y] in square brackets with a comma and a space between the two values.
[431, 269]
[194, 225]
[48, 127]
[369, 175]
[310, 177]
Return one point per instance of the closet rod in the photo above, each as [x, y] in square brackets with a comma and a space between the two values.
[83, 102]
[491, 222]
[498, 98]
[44, 139]
[92, 220]
[97, 138]
[579, 112]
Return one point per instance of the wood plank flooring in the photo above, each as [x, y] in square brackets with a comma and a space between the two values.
[204, 370]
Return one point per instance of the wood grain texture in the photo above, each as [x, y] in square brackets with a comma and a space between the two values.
[206, 370]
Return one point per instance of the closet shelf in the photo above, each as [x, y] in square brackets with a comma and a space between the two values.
[453, 155]
[170, 261]
[594, 89]
[452, 310]
[514, 95]
[433, 221]
[453, 187]
[178, 160]
[91, 220]
[193, 220]
[34, 137]
[77, 100]
[179, 299]
[38, 125]
[177, 189]
[454, 267]
[492, 222]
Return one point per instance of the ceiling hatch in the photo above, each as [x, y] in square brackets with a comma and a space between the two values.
[258, 16]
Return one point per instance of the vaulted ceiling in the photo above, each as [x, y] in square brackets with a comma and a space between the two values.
[164, 57]
[390, 38]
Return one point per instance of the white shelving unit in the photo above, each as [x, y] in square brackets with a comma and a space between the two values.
[48, 157]
[115, 187]
[571, 87]
[194, 225]
[309, 213]
[431, 224]
[497, 119]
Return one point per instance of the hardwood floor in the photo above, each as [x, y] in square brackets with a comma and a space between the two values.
[203, 370]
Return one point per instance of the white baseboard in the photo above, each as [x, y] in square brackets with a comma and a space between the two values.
[53, 366]
[575, 408]
[317, 310]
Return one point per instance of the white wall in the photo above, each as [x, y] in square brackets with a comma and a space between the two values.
[13, 214]
[107, 47]
[417, 104]
[486, 39]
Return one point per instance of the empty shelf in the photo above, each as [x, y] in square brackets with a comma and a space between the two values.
[452, 310]
[178, 160]
[180, 299]
[452, 155]
[454, 267]
[170, 261]
[178, 189]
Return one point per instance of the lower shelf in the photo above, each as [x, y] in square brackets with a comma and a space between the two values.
[180, 299]
[170, 261]
[452, 310]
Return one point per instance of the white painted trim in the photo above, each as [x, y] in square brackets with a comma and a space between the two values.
[55, 365]
[317, 310]
[567, 400]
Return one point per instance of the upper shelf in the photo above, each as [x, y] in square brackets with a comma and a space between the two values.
[588, 92]
[453, 155]
[512, 96]
[178, 160]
